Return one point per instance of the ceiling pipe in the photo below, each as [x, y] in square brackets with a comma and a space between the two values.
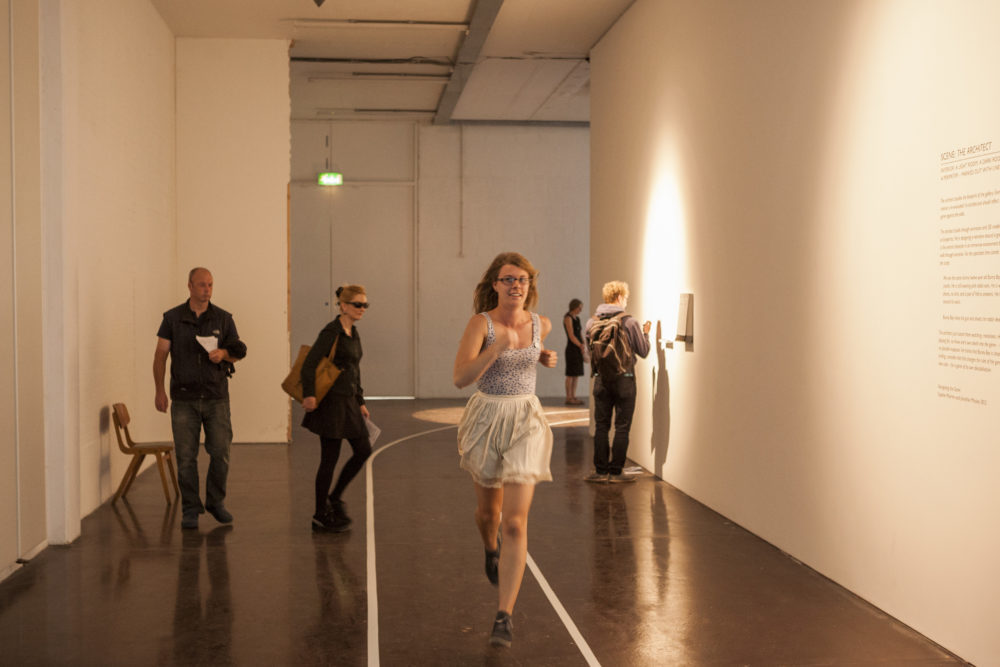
[442, 62]
[480, 25]
[338, 24]
[437, 79]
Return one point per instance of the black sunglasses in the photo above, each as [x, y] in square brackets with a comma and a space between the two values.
[358, 304]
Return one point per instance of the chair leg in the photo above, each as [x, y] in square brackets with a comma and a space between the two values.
[130, 473]
[163, 475]
[169, 456]
[135, 473]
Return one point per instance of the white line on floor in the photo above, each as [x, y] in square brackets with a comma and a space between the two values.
[564, 616]
[370, 541]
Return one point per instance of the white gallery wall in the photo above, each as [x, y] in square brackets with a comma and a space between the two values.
[233, 169]
[110, 241]
[484, 190]
[824, 178]
[22, 456]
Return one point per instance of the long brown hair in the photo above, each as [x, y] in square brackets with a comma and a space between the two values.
[485, 297]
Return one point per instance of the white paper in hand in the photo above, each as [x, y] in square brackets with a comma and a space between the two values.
[208, 342]
[373, 431]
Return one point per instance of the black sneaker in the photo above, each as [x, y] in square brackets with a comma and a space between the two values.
[189, 521]
[328, 523]
[502, 629]
[596, 478]
[493, 561]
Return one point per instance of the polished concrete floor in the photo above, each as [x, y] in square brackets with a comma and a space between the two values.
[635, 574]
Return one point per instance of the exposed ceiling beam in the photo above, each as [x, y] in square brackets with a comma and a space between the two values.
[483, 17]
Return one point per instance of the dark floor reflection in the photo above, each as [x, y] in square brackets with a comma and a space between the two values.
[656, 604]
[613, 569]
[629, 572]
[576, 457]
[133, 529]
[203, 629]
[339, 629]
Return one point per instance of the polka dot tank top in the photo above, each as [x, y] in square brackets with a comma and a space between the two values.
[513, 372]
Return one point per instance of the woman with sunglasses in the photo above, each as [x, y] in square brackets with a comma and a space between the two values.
[504, 439]
[342, 413]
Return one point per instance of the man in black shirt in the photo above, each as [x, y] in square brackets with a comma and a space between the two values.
[202, 341]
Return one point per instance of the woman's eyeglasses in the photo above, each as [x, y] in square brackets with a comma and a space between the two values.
[358, 304]
[510, 280]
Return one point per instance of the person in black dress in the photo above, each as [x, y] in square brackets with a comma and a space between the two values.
[342, 413]
[574, 350]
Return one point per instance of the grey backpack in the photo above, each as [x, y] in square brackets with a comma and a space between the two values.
[610, 349]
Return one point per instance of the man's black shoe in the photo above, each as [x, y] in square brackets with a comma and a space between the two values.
[220, 513]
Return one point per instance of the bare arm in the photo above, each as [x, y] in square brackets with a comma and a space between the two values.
[472, 360]
[159, 372]
[547, 358]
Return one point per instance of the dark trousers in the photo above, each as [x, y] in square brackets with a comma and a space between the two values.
[329, 453]
[187, 419]
[616, 396]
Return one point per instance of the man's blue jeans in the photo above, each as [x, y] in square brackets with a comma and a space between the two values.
[187, 419]
[617, 396]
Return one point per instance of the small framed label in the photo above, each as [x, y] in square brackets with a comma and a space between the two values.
[685, 318]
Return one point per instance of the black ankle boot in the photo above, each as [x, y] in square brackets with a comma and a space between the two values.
[338, 511]
[327, 523]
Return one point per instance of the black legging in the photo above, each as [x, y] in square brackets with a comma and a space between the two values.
[329, 453]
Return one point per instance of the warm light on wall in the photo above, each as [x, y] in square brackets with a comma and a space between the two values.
[331, 178]
[663, 261]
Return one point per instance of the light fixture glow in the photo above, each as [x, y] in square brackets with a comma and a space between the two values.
[664, 256]
[331, 178]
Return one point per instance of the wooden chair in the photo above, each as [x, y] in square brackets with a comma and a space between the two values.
[163, 451]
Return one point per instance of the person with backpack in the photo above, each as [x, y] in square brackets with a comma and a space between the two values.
[615, 339]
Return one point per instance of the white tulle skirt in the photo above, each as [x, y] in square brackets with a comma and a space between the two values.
[505, 439]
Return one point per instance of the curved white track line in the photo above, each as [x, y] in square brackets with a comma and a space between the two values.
[372, 575]
[372, 578]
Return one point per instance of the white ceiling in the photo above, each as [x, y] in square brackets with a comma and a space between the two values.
[500, 61]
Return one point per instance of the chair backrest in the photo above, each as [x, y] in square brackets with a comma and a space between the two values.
[120, 415]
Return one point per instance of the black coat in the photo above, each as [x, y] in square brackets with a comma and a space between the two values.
[338, 415]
